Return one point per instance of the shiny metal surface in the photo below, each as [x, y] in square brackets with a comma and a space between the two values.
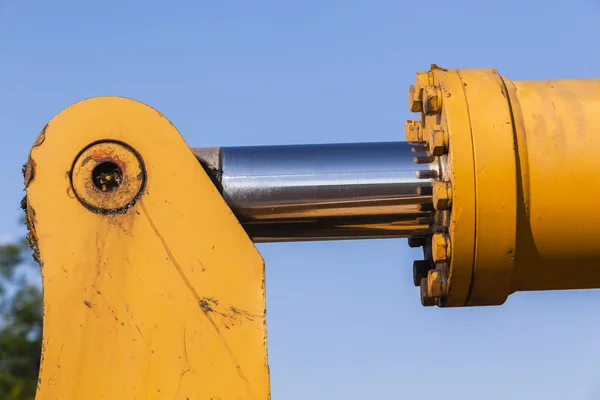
[321, 192]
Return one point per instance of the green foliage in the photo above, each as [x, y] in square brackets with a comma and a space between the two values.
[20, 325]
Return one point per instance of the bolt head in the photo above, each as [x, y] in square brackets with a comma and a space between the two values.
[415, 241]
[435, 283]
[438, 145]
[426, 300]
[420, 270]
[442, 195]
[431, 102]
[422, 79]
[413, 131]
[440, 248]
[415, 98]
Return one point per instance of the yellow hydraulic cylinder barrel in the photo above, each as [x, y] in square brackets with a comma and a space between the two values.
[515, 166]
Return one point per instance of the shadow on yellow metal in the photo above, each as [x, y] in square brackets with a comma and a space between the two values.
[152, 290]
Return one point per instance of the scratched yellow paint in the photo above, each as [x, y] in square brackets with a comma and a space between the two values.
[165, 301]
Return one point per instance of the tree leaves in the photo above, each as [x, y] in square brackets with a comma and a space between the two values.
[21, 320]
[11, 256]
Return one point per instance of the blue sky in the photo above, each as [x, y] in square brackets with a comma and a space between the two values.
[344, 320]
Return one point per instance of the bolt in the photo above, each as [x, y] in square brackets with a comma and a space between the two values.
[424, 221]
[423, 78]
[420, 269]
[415, 241]
[413, 131]
[107, 176]
[420, 149]
[440, 248]
[427, 174]
[426, 300]
[424, 159]
[426, 207]
[435, 283]
[424, 191]
[438, 140]
[431, 100]
[415, 99]
[442, 195]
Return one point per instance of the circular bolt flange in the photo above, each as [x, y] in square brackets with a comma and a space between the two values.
[108, 177]
[442, 195]
[440, 248]
[431, 100]
[438, 141]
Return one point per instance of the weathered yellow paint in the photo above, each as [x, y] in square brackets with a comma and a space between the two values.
[458, 168]
[558, 135]
[163, 301]
[521, 163]
[130, 184]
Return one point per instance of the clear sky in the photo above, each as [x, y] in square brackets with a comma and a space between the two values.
[344, 319]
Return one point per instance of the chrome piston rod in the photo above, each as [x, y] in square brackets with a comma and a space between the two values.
[322, 192]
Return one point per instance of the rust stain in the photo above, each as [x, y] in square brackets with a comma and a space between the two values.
[41, 136]
[435, 66]
[198, 298]
[230, 316]
[29, 171]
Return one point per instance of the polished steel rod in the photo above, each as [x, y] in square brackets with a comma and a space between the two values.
[321, 192]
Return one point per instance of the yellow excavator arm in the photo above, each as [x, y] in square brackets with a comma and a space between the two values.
[153, 288]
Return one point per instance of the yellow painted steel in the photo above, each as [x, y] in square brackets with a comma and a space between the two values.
[152, 289]
[495, 185]
[454, 117]
[161, 298]
[558, 132]
[523, 186]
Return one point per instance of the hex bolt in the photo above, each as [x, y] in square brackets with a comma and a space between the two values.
[423, 78]
[435, 283]
[420, 270]
[427, 174]
[426, 300]
[424, 159]
[442, 195]
[438, 141]
[415, 98]
[440, 248]
[431, 100]
[413, 131]
[415, 241]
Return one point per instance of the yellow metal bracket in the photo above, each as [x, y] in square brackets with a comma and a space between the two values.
[152, 289]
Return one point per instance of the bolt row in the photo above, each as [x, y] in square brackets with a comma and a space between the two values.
[430, 274]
